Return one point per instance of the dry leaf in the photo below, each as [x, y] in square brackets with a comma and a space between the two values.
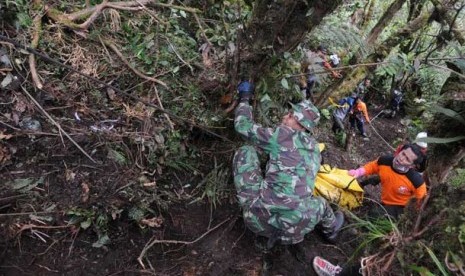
[226, 99]
[20, 106]
[153, 222]
[111, 94]
[85, 192]
[5, 136]
[69, 175]
[150, 184]
[4, 155]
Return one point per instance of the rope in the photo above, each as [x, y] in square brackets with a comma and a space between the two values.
[381, 137]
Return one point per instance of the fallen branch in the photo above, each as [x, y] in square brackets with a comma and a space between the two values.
[161, 106]
[27, 213]
[153, 241]
[137, 72]
[37, 23]
[57, 124]
[91, 13]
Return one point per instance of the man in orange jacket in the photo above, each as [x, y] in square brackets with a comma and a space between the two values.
[358, 115]
[399, 179]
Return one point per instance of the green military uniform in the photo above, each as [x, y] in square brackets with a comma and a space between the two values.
[282, 201]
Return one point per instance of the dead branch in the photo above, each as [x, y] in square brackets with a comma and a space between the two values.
[26, 213]
[57, 124]
[161, 106]
[154, 241]
[426, 228]
[154, 16]
[98, 10]
[32, 226]
[91, 13]
[126, 62]
[37, 23]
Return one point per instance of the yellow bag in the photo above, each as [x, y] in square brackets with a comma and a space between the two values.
[338, 187]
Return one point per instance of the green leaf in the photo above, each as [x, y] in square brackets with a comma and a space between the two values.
[449, 112]
[85, 224]
[461, 64]
[25, 184]
[117, 156]
[434, 140]
[103, 240]
[284, 83]
[21, 183]
[183, 14]
[436, 261]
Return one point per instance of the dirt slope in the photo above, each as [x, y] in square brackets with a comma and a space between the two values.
[201, 239]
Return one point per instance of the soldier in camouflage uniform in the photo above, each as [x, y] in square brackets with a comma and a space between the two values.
[281, 205]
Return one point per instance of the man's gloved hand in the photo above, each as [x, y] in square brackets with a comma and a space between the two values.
[245, 90]
[357, 173]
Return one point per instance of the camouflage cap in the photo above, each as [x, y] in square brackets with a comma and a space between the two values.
[306, 114]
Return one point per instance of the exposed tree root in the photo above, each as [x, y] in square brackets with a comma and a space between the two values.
[137, 72]
[90, 14]
[154, 241]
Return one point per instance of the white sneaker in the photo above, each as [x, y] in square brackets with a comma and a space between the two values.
[323, 267]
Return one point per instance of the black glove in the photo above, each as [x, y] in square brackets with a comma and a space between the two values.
[245, 89]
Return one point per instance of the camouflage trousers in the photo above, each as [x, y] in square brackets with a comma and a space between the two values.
[263, 217]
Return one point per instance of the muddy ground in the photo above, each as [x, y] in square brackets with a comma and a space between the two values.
[194, 238]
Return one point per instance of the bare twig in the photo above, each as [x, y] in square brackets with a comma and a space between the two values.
[57, 125]
[161, 106]
[126, 62]
[26, 213]
[153, 15]
[178, 55]
[37, 22]
[154, 241]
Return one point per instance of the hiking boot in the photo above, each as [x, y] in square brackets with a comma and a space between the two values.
[335, 228]
[324, 268]
[298, 251]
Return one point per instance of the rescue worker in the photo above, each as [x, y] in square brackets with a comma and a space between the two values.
[362, 89]
[358, 115]
[423, 147]
[315, 61]
[280, 205]
[398, 177]
[343, 107]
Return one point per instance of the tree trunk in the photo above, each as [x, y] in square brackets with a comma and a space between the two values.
[384, 21]
[354, 76]
[444, 157]
[451, 20]
[277, 27]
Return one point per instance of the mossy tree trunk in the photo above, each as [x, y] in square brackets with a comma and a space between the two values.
[444, 157]
[277, 27]
[382, 50]
[387, 17]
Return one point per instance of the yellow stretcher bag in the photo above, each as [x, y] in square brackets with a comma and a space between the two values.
[338, 187]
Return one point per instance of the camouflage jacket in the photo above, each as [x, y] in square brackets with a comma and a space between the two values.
[294, 159]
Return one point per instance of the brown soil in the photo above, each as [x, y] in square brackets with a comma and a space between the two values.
[227, 250]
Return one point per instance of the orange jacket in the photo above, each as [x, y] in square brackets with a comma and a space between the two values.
[362, 108]
[396, 188]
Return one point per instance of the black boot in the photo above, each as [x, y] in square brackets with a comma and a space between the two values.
[331, 234]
